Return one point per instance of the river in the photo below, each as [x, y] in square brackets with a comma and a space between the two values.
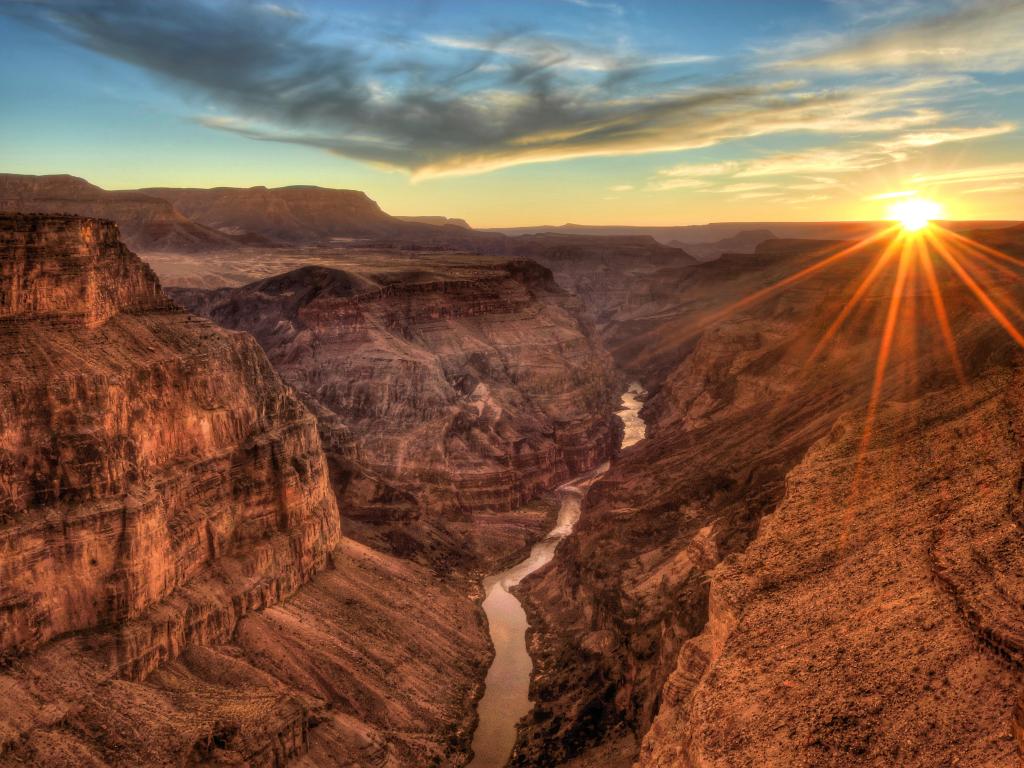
[506, 696]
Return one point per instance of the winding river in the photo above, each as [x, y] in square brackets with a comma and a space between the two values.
[506, 695]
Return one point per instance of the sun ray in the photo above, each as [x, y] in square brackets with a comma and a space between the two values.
[968, 242]
[993, 309]
[803, 274]
[876, 270]
[884, 348]
[939, 305]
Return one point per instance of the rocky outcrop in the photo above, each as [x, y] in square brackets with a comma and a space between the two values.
[745, 241]
[174, 588]
[155, 475]
[612, 274]
[444, 386]
[437, 221]
[62, 269]
[858, 627]
[875, 626]
[296, 215]
[147, 223]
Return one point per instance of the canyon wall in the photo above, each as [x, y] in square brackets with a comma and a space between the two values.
[147, 223]
[729, 600]
[141, 449]
[445, 386]
[174, 588]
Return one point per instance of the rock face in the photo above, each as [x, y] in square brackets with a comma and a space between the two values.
[444, 386]
[437, 221]
[149, 462]
[147, 223]
[745, 241]
[612, 274]
[733, 597]
[174, 588]
[295, 215]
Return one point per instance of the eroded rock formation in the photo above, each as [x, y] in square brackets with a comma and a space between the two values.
[445, 386]
[735, 597]
[174, 588]
[147, 223]
[144, 455]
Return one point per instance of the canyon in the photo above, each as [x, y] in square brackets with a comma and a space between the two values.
[254, 508]
[172, 541]
[444, 385]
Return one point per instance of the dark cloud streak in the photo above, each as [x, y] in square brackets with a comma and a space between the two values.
[273, 76]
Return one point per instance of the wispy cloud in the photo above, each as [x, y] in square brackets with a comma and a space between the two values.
[746, 187]
[458, 104]
[892, 195]
[665, 185]
[994, 188]
[816, 161]
[553, 52]
[986, 173]
[598, 5]
[981, 36]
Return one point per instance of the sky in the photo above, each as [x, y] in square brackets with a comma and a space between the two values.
[532, 112]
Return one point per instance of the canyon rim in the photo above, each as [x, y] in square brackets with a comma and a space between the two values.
[560, 383]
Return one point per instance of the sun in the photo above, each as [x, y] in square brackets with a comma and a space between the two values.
[914, 214]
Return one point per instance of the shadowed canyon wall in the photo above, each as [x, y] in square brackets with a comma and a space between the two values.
[445, 386]
[174, 588]
[733, 598]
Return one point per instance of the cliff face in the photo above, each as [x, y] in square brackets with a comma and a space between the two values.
[880, 626]
[300, 214]
[847, 631]
[149, 462]
[147, 223]
[612, 274]
[444, 387]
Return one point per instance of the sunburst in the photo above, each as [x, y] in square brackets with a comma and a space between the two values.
[913, 245]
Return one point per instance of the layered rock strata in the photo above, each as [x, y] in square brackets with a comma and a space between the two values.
[443, 387]
[868, 618]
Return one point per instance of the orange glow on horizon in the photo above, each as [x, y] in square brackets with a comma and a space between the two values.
[915, 244]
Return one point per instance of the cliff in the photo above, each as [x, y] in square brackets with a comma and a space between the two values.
[295, 215]
[731, 597]
[445, 386]
[145, 457]
[147, 223]
[174, 587]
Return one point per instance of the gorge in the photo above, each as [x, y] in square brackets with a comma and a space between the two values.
[506, 689]
[321, 517]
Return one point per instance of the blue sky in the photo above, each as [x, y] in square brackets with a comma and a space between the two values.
[538, 111]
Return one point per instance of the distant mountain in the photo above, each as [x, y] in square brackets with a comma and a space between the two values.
[147, 223]
[437, 221]
[688, 235]
[292, 215]
[742, 242]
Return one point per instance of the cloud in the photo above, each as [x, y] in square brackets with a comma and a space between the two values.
[613, 8]
[892, 195]
[981, 36]
[665, 185]
[995, 188]
[701, 169]
[755, 195]
[747, 187]
[621, 188]
[555, 52]
[460, 105]
[986, 173]
[946, 135]
[809, 166]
